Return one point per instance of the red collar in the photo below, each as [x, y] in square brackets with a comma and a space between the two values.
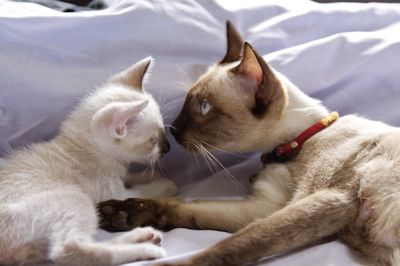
[289, 150]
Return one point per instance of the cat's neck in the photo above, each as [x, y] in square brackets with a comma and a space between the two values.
[300, 113]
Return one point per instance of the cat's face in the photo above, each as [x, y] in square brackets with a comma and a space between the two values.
[233, 105]
[128, 124]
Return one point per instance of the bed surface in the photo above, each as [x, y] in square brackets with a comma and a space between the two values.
[345, 54]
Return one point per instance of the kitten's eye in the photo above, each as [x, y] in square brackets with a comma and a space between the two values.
[205, 107]
[153, 141]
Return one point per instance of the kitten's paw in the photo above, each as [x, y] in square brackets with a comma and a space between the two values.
[124, 215]
[167, 188]
[140, 235]
[149, 251]
[159, 187]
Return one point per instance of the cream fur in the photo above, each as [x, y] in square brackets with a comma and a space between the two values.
[48, 190]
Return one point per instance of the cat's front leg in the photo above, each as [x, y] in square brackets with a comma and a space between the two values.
[270, 193]
[168, 213]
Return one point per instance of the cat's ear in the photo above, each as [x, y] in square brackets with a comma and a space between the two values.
[114, 117]
[134, 75]
[250, 69]
[257, 78]
[234, 44]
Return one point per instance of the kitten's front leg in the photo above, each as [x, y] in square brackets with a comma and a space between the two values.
[298, 224]
[159, 186]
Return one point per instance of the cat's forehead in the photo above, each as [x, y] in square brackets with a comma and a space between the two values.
[215, 84]
[207, 85]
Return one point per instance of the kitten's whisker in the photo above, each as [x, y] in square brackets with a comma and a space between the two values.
[144, 173]
[161, 167]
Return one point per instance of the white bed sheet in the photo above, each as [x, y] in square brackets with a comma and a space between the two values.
[345, 54]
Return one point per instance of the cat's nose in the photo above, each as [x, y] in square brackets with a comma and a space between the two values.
[164, 145]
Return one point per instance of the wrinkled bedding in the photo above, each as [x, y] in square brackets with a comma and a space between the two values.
[346, 55]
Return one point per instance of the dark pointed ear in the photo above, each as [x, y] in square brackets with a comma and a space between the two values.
[234, 44]
[133, 76]
[249, 68]
[257, 78]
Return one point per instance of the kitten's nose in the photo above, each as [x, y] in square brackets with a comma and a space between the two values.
[164, 145]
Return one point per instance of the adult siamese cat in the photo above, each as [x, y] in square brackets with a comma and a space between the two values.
[48, 190]
[325, 178]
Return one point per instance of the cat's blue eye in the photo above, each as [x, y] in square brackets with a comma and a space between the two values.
[205, 107]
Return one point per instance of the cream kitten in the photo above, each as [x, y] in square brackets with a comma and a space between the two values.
[344, 181]
[48, 191]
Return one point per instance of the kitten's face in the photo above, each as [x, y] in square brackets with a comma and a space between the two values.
[231, 106]
[128, 124]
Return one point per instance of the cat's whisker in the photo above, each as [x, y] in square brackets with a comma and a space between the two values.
[223, 169]
[194, 153]
[200, 149]
[224, 151]
[185, 75]
[167, 108]
[226, 171]
[170, 126]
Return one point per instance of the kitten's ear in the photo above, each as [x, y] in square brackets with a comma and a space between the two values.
[256, 77]
[234, 44]
[113, 118]
[133, 76]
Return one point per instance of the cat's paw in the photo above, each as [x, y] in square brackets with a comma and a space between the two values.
[124, 215]
[140, 235]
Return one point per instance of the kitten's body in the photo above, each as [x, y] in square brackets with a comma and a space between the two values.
[48, 191]
[345, 180]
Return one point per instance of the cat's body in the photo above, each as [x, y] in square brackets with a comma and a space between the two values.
[344, 181]
[48, 191]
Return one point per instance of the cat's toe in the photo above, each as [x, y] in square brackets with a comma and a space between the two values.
[116, 215]
[113, 216]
